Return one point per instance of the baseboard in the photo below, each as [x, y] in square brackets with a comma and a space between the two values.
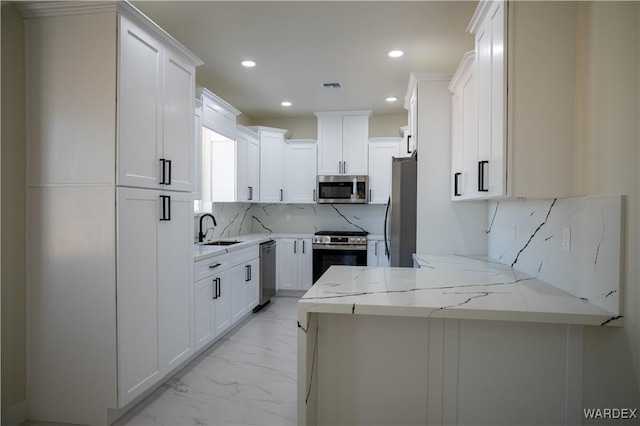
[290, 293]
[15, 415]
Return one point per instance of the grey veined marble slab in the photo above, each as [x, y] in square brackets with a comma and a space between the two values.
[528, 235]
[455, 287]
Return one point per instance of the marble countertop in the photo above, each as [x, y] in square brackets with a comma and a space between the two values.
[201, 251]
[449, 286]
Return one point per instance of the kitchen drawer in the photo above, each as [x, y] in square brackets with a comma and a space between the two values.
[207, 267]
[245, 255]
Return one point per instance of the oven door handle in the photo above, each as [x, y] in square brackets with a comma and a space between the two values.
[338, 247]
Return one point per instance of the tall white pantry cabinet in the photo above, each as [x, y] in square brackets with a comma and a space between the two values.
[110, 100]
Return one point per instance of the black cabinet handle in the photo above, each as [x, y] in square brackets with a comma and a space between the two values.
[295, 247]
[456, 189]
[166, 207]
[481, 186]
[214, 266]
[344, 167]
[246, 273]
[375, 251]
[281, 195]
[314, 195]
[303, 246]
[370, 197]
[218, 292]
[250, 193]
[408, 139]
[169, 163]
[162, 166]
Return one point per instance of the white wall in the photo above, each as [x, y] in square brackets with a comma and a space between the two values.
[443, 227]
[607, 161]
[13, 218]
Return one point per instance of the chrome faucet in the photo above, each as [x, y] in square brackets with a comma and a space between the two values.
[200, 234]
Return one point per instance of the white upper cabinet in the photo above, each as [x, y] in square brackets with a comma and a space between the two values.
[342, 142]
[300, 171]
[271, 163]
[525, 134]
[217, 114]
[248, 165]
[411, 104]
[465, 166]
[155, 113]
[381, 151]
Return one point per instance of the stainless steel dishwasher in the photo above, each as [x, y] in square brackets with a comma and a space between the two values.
[267, 273]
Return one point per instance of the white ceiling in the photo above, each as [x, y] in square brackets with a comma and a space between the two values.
[300, 44]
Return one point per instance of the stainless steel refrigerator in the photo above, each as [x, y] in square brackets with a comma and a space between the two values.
[400, 218]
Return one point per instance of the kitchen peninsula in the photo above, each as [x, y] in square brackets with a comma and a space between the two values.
[493, 346]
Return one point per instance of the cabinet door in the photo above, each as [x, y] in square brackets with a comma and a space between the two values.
[305, 264]
[239, 275]
[197, 152]
[287, 254]
[497, 182]
[355, 137]
[457, 146]
[271, 167]
[330, 145]
[139, 108]
[469, 127]
[413, 120]
[203, 311]
[300, 172]
[372, 253]
[222, 305]
[139, 363]
[380, 155]
[178, 104]
[175, 281]
[242, 187]
[253, 169]
[252, 285]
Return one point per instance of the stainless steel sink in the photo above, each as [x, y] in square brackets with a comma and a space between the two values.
[221, 243]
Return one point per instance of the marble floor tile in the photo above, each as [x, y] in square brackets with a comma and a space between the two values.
[246, 378]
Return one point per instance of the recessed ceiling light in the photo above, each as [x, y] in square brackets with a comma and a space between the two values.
[285, 104]
[396, 53]
[391, 99]
[248, 64]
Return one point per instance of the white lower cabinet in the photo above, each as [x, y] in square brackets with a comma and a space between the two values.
[295, 260]
[226, 290]
[376, 253]
[155, 299]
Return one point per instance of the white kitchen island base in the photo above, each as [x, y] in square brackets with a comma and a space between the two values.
[381, 370]
[462, 341]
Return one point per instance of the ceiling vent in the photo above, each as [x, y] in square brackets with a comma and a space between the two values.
[332, 85]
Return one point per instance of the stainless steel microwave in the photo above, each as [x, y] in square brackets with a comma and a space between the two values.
[346, 189]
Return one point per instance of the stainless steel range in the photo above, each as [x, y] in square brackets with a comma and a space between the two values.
[338, 248]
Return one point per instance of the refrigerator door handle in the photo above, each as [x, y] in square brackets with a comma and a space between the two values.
[386, 217]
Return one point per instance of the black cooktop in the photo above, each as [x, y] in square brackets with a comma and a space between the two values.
[343, 233]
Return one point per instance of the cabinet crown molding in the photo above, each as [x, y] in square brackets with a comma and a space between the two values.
[204, 92]
[258, 129]
[465, 64]
[416, 77]
[309, 141]
[478, 16]
[49, 9]
[247, 131]
[366, 112]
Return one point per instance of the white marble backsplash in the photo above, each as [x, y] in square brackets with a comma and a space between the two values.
[528, 236]
[309, 218]
[236, 219]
